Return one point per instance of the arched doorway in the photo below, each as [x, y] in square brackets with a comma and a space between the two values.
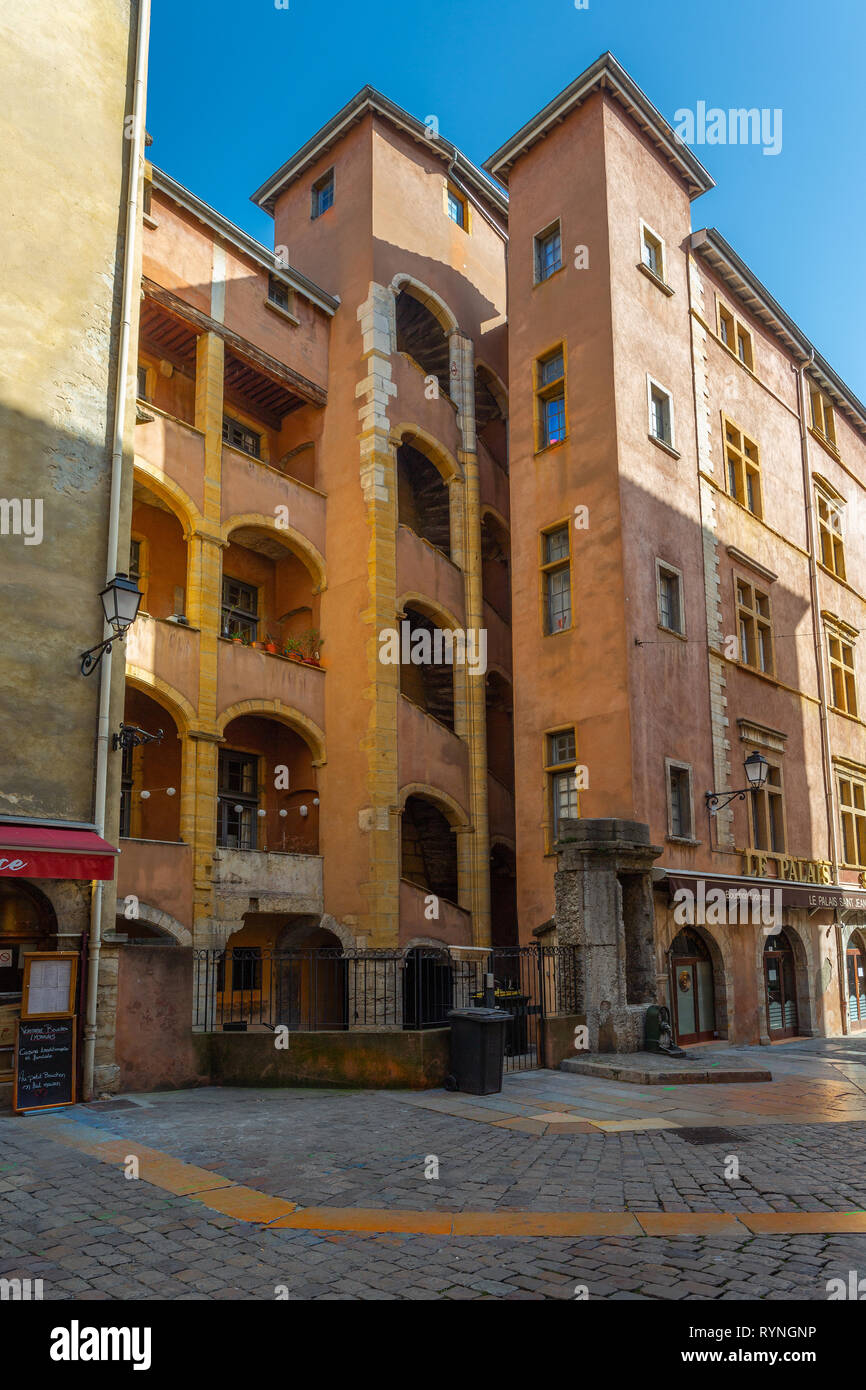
[27, 923]
[692, 989]
[780, 987]
[855, 959]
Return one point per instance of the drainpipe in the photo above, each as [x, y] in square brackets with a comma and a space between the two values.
[129, 290]
[817, 633]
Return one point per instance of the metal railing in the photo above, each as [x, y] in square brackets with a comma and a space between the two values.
[325, 988]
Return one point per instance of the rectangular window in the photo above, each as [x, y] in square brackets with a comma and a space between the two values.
[126, 792]
[842, 676]
[142, 382]
[239, 609]
[823, 421]
[278, 292]
[239, 437]
[754, 626]
[556, 579]
[246, 969]
[670, 597]
[743, 469]
[238, 800]
[550, 398]
[323, 194]
[134, 560]
[768, 820]
[679, 801]
[852, 802]
[830, 532]
[661, 412]
[560, 771]
[456, 205]
[548, 252]
[652, 252]
[735, 336]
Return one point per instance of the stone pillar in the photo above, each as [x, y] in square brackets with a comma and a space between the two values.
[604, 906]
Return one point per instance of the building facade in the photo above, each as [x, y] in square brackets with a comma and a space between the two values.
[320, 478]
[687, 494]
[69, 315]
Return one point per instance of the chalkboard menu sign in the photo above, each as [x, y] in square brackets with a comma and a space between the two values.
[44, 1063]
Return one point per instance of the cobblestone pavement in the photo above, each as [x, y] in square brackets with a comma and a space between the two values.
[70, 1217]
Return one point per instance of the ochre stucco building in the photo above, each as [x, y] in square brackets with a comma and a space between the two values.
[644, 487]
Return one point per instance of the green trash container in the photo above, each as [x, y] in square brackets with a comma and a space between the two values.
[477, 1049]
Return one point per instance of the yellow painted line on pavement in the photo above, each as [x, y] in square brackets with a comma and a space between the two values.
[223, 1195]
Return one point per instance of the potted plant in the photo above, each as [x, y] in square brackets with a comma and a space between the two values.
[292, 649]
[270, 644]
[310, 642]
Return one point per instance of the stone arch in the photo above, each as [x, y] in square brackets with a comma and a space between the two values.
[723, 998]
[451, 809]
[175, 498]
[430, 607]
[299, 545]
[494, 383]
[161, 922]
[310, 732]
[426, 443]
[425, 943]
[177, 705]
[423, 293]
[808, 982]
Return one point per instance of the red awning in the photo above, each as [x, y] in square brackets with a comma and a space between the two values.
[39, 852]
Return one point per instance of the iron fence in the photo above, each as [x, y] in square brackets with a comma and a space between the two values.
[325, 988]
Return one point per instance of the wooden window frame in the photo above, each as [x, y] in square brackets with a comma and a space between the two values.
[547, 391]
[553, 770]
[249, 618]
[852, 817]
[731, 332]
[831, 541]
[231, 422]
[328, 179]
[143, 575]
[653, 387]
[766, 797]
[673, 765]
[453, 193]
[752, 620]
[558, 566]
[649, 239]
[841, 644]
[746, 466]
[538, 243]
[823, 418]
[251, 801]
[662, 567]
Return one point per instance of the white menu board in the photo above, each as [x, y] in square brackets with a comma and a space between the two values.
[50, 982]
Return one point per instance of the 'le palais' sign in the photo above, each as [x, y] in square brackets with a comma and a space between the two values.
[756, 865]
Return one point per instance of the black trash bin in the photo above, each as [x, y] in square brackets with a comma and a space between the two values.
[477, 1049]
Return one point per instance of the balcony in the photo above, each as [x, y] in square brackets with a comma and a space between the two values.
[453, 926]
[175, 449]
[250, 486]
[168, 650]
[247, 673]
[248, 880]
[159, 874]
[424, 743]
[422, 569]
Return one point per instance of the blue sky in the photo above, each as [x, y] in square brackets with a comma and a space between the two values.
[235, 88]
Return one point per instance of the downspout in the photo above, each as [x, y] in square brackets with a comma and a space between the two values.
[826, 746]
[129, 289]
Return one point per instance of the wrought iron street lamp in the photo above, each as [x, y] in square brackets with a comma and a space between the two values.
[757, 768]
[120, 601]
